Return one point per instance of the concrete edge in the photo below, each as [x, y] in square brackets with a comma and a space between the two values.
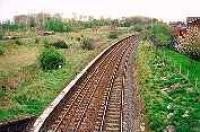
[41, 119]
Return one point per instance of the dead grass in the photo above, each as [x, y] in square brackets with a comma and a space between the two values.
[18, 57]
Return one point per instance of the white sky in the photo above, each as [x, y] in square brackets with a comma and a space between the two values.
[164, 9]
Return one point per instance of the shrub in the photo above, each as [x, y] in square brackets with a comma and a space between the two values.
[113, 35]
[18, 42]
[37, 40]
[78, 39]
[88, 43]
[2, 50]
[60, 44]
[51, 59]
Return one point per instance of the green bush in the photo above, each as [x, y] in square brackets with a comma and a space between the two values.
[88, 43]
[60, 44]
[51, 59]
[113, 35]
[2, 50]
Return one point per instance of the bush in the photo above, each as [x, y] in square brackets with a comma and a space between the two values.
[78, 39]
[18, 42]
[2, 50]
[60, 44]
[37, 40]
[51, 59]
[88, 43]
[113, 35]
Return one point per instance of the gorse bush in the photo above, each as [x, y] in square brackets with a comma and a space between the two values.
[2, 50]
[51, 59]
[60, 44]
[87, 43]
[113, 35]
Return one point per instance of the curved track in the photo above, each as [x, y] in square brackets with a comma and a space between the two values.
[102, 99]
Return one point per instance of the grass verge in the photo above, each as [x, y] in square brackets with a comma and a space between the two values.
[170, 99]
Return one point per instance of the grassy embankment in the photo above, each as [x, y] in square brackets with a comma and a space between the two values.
[26, 89]
[171, 97]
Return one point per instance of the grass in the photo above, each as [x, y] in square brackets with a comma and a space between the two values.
[27, 89]
[169, 98]
[189, 67]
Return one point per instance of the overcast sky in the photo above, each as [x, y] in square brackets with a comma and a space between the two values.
[164, 9]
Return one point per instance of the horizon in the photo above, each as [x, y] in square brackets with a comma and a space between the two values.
[163, 10]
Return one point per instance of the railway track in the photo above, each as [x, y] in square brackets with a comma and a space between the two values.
[101, 100]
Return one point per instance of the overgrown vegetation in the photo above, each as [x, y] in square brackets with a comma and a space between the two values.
[171, 99]
[87, 43]
[51, 59]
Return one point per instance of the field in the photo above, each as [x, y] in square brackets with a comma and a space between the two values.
[25, 88]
